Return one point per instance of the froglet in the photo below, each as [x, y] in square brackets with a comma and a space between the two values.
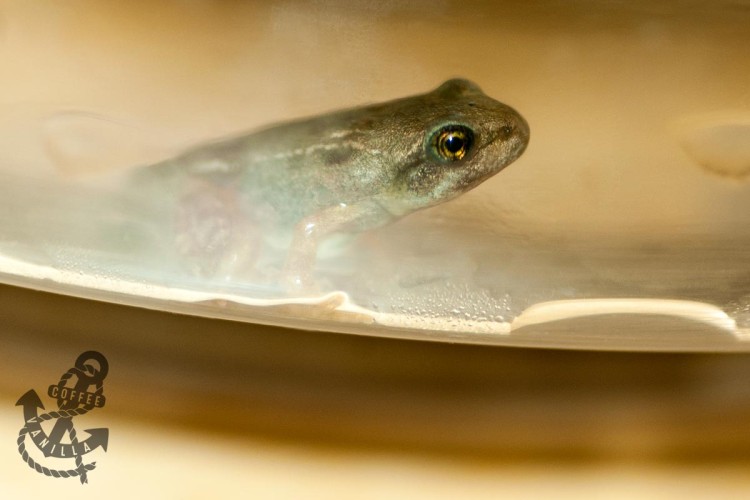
[346, 171]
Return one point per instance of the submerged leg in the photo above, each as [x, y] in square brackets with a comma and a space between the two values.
[313, 229]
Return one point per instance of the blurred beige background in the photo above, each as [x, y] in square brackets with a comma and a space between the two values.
[198, 406]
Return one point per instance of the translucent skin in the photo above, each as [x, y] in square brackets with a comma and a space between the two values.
[345, 171]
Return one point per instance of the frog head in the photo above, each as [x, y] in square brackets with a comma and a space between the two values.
[458, 137]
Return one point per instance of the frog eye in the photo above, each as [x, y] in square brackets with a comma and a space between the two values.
[453, 142]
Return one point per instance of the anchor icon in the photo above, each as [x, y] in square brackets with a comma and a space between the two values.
[71, 402]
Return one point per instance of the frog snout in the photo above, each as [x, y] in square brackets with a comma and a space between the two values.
[520, 134]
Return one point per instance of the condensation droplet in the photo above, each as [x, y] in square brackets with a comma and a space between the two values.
[720, 143]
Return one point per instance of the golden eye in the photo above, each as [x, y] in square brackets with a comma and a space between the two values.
[453, 142]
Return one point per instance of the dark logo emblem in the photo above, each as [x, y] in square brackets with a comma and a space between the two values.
[79, 391]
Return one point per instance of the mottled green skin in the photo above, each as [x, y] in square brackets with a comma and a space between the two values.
[354, 169]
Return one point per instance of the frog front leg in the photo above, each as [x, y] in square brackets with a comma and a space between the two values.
[313, 229]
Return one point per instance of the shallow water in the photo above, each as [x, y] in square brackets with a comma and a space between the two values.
[625, 225]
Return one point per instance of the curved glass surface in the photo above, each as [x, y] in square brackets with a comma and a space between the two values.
[624, 225]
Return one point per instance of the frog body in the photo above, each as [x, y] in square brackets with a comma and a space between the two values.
[345, 171]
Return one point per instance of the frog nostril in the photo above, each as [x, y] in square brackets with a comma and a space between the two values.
[507, 130]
